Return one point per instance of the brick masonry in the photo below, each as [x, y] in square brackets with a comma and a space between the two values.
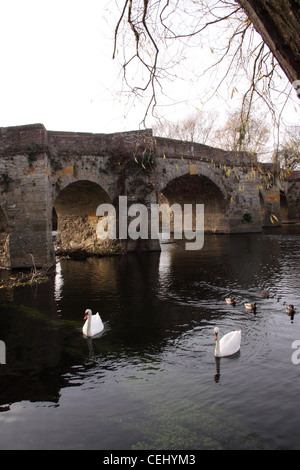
[75, 172]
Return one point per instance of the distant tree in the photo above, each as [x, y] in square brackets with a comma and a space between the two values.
[197, 127]
[288, 156]
[249, 134]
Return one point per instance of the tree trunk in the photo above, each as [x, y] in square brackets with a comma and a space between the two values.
[278, 22]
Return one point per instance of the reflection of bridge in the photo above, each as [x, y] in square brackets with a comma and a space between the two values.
[48, 176]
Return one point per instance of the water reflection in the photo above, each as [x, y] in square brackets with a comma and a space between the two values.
[159, 311]
[218, 369]
[58, 283]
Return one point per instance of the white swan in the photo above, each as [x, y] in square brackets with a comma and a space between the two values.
[229, 344]
[93, 324]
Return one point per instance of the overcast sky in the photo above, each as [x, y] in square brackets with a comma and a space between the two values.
[57, 68]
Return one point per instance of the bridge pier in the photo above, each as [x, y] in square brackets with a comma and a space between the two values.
[4, 241]
[31, 244]
[134, 223]
[28, 213]
[75, 172]
[270, 206]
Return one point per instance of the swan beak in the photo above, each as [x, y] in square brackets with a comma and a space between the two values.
[85, 317]
[216, 336]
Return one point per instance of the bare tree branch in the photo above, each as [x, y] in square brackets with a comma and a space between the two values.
[157, 25]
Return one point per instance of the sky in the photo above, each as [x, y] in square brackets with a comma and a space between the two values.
[57, 69]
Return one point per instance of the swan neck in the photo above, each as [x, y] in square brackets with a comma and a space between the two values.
[89, 324]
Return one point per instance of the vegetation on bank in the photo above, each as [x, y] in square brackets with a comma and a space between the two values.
[34, 276]
[37, 276]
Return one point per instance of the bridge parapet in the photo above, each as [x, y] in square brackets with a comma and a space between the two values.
[73, 172]
[23, 139]
[173, 148]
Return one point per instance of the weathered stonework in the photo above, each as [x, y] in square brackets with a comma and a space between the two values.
[69, 174]
[292, 193]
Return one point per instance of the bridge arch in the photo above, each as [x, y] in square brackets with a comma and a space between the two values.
[73, 173]
[199, 189]
[4, 241]
[74, 212]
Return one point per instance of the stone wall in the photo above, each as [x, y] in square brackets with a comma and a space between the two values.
[230, 195]
[26, 203]
[75, 172]
[29, 139]
[173, 148]
[292, 192]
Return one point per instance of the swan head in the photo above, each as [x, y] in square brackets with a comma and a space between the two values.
[87, 313]
[216, 331]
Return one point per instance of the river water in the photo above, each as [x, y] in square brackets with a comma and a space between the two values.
[150, 380]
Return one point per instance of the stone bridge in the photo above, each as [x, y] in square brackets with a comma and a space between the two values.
[54, 181]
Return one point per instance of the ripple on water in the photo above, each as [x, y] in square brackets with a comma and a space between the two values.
[157, 356]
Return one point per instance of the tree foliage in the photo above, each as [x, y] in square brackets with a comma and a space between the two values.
[234, 134]
[195, 127]
[240, 133]
[288, 156]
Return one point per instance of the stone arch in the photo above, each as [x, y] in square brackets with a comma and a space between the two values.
[199, 189]
[54, 219]
[75, 208]
[4, 241]
[83, 169]
[171, 170]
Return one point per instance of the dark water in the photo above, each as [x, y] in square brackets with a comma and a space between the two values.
[151, 381]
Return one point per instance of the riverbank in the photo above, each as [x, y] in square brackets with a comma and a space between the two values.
[34, 276]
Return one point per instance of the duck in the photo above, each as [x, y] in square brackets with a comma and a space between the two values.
[93, 324]
[250, 306]
[230, 300]
[266, 294]
[229, 344]
[290, 309]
